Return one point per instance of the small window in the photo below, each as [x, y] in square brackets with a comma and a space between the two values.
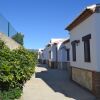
[42, 55]
[68, 55]
[49, 54]
[86, 40]
[56, 54]
[74, 51]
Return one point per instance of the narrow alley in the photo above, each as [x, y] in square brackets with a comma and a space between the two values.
[53, 84]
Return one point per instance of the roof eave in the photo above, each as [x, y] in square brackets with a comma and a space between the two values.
[84, 15]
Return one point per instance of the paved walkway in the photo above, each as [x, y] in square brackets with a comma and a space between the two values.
[53, 84]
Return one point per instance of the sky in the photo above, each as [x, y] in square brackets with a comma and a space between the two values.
[41, 20]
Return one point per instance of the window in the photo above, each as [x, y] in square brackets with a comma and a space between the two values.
[42, 55]
[74, 50]
[56, 54]
[68, 55]
[86, 40]
[49, 54]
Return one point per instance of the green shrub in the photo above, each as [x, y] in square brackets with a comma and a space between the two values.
[16, 67]
[11, 94]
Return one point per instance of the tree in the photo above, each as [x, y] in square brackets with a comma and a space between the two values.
[18, 37]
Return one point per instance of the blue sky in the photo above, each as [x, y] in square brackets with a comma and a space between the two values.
[41, 20]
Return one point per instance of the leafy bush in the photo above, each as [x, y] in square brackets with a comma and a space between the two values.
[16, 67]
[11, 94]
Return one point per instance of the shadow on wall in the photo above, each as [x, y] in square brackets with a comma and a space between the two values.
[58, 81]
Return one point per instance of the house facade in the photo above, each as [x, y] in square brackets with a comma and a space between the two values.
[85, 56]
[50, 53]
[40, 55]
[64, 54]
[56, 54]
[53, 53]
[43, 57]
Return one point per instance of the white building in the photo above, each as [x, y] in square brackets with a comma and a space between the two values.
[85, 55]
[40, 55]
[64, 54]
[57, 53]
[46, 54]
[52, 52]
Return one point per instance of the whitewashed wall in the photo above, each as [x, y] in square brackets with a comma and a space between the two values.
[86, 27]
[59, 52]
[62, 53]
[97, 25]
[52, 48]
[47, 53]
[39, 54]
[62, 56]
[42, 55]
[53, 52]
[68, 45]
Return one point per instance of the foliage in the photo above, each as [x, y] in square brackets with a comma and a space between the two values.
[16, 67]
[11, 94]
[18, 37]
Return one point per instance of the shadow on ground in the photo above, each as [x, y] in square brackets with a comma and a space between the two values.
[58, 81]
